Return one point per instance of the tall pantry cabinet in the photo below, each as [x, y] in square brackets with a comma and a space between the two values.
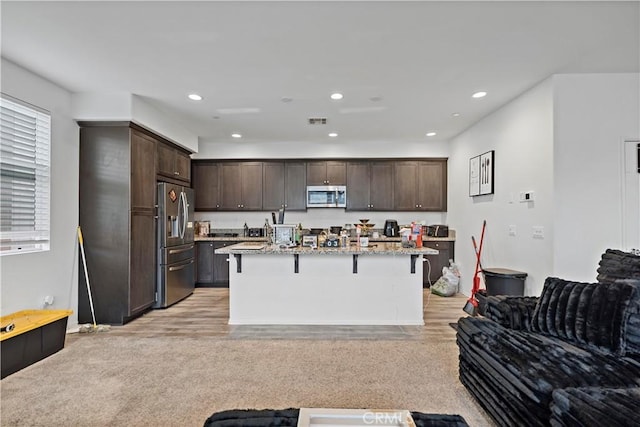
[117, 216]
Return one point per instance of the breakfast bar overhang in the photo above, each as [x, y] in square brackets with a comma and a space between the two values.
[378, 285]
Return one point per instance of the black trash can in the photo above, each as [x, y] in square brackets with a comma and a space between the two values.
[502, 281]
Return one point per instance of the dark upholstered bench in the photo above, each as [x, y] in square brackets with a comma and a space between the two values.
[289, 417]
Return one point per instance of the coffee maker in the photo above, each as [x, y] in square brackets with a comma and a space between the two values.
[391, 228]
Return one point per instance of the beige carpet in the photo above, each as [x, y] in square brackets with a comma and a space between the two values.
[109, 380]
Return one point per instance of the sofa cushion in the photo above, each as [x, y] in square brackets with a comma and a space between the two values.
[586, 314]
[616, 264]
[509, 311]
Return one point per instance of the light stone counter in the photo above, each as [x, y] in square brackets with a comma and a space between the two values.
[373, 249]
[229, 239]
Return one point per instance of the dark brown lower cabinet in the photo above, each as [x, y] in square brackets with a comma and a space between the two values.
[221, 265]
[212, 270]
[204, 264]
[446, 252]
[142, 257]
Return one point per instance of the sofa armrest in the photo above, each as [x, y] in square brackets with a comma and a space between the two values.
[510, 312]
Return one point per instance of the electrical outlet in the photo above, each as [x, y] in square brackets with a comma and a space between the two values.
[512, 230]
[48, 300]
[538, 232]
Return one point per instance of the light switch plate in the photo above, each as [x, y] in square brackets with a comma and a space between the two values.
[526, 196]
[538, 232]
[512, 230]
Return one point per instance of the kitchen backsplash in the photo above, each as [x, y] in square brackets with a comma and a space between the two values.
[317, 217]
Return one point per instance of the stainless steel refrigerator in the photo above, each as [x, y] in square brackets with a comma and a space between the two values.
[176, 249]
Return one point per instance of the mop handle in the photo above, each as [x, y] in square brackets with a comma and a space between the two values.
[484, 225]
[86, 274]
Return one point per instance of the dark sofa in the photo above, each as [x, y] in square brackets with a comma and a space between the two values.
[570, 357]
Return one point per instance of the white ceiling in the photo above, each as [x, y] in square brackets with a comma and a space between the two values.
[404, 67]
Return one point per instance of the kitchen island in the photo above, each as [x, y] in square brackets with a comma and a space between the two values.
[376, 285]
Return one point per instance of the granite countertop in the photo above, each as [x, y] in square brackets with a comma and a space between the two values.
[229, 239]
[374, 249]
[381, 239]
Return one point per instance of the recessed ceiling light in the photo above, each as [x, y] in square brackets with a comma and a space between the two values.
[455, 114]
[431, 134]
[195, 97]
[333, 134]
[480, 94]
[236, 135]
[336, 96]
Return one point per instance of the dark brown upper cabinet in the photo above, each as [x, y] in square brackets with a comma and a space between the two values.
[420, 185]
[370, 186]
[173, 163]
[284, 186]
[327, 172]
[206, 185]
[241, 186]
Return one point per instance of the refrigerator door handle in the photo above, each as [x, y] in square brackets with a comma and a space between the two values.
[182, 204]
[185, 206]
[180, 267]
[179, 251]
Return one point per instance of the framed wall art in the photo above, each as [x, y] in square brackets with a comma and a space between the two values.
[486, 172]
[481, 170]
[474, 176]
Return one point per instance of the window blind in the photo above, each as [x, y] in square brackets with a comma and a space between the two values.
[25, 152]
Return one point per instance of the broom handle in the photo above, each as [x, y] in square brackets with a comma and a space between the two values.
[86, 275]
[484, 225]
[476, 279]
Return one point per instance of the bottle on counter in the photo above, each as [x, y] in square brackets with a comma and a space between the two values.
[267, 231]
[298, 234]
[246, 230]
[358, 233]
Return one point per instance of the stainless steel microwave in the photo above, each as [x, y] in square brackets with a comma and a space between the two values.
[326, 196]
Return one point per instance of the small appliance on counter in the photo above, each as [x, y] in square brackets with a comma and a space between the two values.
[204, 228]
[437, 230]
[284, 234]
[310, 241]
[256, 232]
[391, 228]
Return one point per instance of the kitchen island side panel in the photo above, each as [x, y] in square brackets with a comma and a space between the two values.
[325, 291]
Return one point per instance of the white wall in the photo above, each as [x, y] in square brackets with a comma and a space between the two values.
[521, 133]
[114, 106]
[161, 123]
[122, 106]
[28, 278]
[593, 114]
[238, 149]
[562, 139]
